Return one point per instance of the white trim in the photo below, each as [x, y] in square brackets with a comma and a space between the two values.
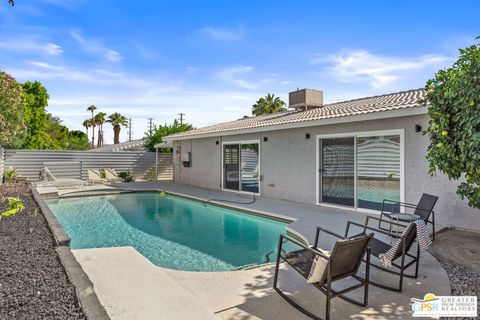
[240, 142]
[400, 132]
[378, 115]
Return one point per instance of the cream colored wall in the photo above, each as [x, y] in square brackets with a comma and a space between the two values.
[288, 166]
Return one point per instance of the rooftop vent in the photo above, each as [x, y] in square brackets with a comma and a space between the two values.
[305, 99]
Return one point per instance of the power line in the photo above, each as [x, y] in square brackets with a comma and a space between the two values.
[130, 129]
[181, 117]
[150, 124]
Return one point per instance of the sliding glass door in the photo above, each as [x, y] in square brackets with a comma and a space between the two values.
[241, 167]
[337, 171]
[378, 163]
[360, 171]
[231, 166]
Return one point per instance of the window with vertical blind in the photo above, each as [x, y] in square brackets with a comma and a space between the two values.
[360, 170]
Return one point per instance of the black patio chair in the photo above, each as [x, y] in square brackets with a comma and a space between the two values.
[403, 252]
[424, 209]
[344, 261]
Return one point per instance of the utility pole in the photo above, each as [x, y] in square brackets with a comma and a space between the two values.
[130, 129]
[181, 117]
[150, 124]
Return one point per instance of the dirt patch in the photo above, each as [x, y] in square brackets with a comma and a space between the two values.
[33, 283]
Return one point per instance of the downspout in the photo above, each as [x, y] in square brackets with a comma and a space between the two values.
[221, 162]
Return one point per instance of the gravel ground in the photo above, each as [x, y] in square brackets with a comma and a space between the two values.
[33, 283]
[464, 282]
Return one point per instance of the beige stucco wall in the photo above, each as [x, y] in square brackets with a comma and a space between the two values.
[288, 166]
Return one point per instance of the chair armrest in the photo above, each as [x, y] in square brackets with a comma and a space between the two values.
[399, 202]
[395, 203]
[317, 234]
[383, 221]
[365, 227]
[302, 245]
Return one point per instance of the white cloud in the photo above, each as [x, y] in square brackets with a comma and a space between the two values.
[377, 70]
[31, 44]
[45, 65]
[237, 76]
[224, 34]
[192, 70]
[95, 45]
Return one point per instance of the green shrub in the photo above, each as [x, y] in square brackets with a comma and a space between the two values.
[125, 176]
[15, 205]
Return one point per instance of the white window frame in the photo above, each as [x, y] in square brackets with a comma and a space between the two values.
[355, 135]
[240, 142]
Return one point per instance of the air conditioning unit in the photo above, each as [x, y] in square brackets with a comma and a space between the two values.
[305, 99]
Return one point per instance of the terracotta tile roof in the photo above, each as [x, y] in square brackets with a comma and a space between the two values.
[387, 102]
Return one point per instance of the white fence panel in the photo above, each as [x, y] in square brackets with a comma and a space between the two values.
[74, 164]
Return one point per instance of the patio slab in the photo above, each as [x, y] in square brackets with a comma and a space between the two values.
[459, 247]
[130, 287]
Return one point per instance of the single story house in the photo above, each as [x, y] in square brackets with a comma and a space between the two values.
[349, 154]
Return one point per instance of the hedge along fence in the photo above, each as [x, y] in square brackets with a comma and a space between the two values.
[74, 164]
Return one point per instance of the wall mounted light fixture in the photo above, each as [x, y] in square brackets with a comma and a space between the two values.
[265, 139]
[307, 136]
[418, 128]
[217, 142]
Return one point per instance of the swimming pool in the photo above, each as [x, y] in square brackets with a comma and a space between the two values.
[170, 231]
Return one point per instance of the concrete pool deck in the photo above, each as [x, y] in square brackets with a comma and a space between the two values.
[122, 277]
[131, 287]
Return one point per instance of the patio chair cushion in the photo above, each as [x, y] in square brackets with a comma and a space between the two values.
[318, 268]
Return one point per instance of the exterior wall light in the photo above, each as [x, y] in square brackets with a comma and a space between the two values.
[265, 139]
[307, 136]
[418, 128]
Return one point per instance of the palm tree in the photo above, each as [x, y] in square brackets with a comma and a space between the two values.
[99, 121]
[268, 104]
[86, 124]
[92, 108]
[117, 120]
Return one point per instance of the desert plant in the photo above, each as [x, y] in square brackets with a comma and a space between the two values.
[125, 176]
[152, 175]
[10, 174]
[15, 205]
[103, 174]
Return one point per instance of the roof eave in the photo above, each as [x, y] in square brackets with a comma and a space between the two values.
[418, 110]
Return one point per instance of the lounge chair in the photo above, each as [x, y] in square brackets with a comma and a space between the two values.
[112, 176]
[424, 209]
[94, 176]
[47, 179]
[343, 261]
[380, 246]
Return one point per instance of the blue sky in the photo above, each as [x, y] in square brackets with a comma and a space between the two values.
[213, 59]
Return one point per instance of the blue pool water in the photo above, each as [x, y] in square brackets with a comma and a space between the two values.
[170, 231]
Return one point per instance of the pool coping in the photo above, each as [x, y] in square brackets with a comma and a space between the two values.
[87, 298]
